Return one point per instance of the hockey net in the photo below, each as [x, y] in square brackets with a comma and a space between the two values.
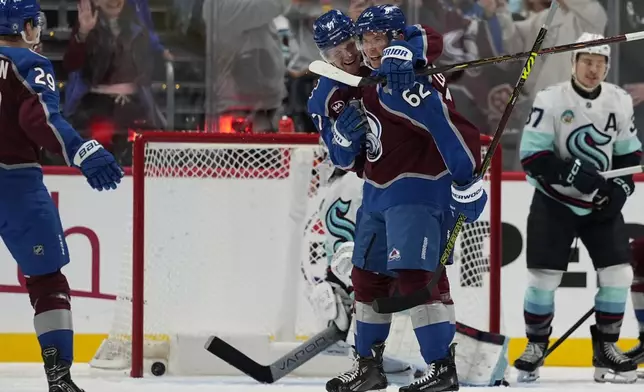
[227, 240]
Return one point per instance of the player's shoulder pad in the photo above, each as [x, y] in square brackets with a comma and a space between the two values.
[321, 96]
[35, 70]
[617, 93]
[549, 96]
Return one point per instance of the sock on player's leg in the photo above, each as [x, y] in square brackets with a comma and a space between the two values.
[610, 300]
[538, 312]
[371, 328]
[637, 296]
[49, 295]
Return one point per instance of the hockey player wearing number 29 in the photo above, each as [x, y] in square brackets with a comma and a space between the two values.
[577, 129]
[415, 146]
[29, 222]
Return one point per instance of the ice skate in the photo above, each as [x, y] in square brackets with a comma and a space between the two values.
[58, 376]
[636, 354]
[611, 365]
[530, 361]
[367, 374]
[440, 376]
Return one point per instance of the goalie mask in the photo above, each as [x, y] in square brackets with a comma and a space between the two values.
[590, 65]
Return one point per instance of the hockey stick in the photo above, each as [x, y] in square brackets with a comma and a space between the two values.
[400, 303]
[626, 171]
[325, 69]
[570, 331]
[290, 361]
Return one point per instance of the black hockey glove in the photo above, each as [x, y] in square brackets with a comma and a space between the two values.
[608, 202]
[583, 176]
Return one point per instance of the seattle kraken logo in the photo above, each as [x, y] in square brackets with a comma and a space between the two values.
[337, 223]
[584, 143]
[374, 146]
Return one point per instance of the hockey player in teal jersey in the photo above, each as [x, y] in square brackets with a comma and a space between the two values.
[576, 130]
[29, 222]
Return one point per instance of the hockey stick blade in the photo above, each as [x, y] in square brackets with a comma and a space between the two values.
[356, 81]
[418, 297]
[626, 171]
[268, 374]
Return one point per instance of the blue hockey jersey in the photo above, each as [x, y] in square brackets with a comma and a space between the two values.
[29, 111]
[329, 97]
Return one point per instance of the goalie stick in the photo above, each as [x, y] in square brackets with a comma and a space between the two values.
[400, 303]
[325, 69]
[290, 361]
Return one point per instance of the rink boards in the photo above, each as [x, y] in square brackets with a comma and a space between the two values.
[98, 226]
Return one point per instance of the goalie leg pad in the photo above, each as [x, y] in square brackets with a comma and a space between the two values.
[371, 327]
[434, 321]
[49, 295]
[637, 288]
[539, 303]
[610, 300]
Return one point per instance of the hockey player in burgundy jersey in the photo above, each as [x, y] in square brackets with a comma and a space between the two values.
[411, 146]
[29, 222]
[333, 34]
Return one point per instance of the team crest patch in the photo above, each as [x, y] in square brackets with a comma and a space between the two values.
[567, 116]
[394, 255]
[337, 106]
[39, 250]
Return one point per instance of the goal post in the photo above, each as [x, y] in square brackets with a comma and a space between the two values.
[222, 226]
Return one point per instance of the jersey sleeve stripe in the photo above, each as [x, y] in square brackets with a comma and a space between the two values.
[51, 126]
[327, 100]
[425, 44]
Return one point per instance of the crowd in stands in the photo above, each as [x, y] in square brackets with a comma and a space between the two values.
[242, 65]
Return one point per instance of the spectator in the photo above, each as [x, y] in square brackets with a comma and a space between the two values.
[246, 70]
[573, 18]
[631, 59]
[110, 60]
[301, 16]
[145, 16]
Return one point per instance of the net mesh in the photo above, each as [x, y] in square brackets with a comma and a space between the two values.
[221, 222]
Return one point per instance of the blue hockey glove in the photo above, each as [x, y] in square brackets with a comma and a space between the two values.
[350, 128]
[608, 202]
[98, 166]
[469, 199]
[397, 65]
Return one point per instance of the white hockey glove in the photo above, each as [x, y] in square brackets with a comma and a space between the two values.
[332, 303]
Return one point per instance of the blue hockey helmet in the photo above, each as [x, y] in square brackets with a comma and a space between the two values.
[381, 18]
[332, 29]
[15, 13]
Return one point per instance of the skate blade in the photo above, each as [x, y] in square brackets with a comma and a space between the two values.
[640, 373]
[526, 377]
[605, 375]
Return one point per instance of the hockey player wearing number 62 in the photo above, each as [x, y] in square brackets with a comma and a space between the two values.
[576, 130]
[413, 146]
[29, 222]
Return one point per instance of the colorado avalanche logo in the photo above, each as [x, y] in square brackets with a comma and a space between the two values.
[584, 143]
[374, 146]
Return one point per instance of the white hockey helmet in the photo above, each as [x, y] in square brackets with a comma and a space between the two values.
[603, 50]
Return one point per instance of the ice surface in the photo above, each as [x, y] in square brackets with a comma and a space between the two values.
[29, 378]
